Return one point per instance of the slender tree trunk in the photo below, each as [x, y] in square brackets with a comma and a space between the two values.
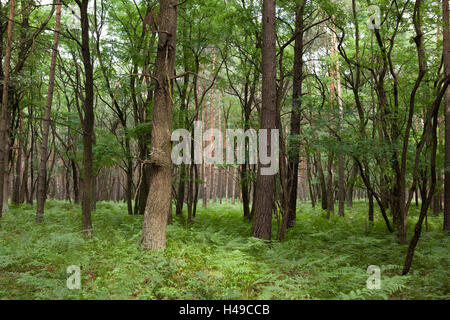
[181, 192]
[42, 179]
[371, 209]
[294, 150]
[341, 164]
[190, 192]
[350, 186]
[233, 185]
[18, 172]
[446, 53]
[24, 184]
[308, 177]
[426, 198]
[88, 125]
[245, 193]
[323, 185]
[197, 189]
[159, 199]
[129, 191]
[4, 111]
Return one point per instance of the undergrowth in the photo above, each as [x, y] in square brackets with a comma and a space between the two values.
[215, 258]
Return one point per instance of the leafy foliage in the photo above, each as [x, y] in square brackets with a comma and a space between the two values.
[214, 258]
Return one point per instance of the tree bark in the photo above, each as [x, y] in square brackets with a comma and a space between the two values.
[446, 53]
[4, 111]
[159, 198]
[265, 185]
[18, 172]
[88, 123]
[42, 179]
[294, 149]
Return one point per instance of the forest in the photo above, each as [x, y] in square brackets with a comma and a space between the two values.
[225, 150]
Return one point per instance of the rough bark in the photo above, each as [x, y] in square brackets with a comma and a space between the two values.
[265, 185]
[88, 123]
[159, 199]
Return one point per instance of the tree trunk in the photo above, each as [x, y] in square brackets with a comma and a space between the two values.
[446, 53]
[159, 199]
[371, 209]
[350, 186]
[88, 124]
[4, 111]
[181, 192]
[294, 148]
[42, 179]
[265, 185]
[18, 172]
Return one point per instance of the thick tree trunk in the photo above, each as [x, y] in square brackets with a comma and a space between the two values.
[159, 199]
[42, 179]
[265, 185]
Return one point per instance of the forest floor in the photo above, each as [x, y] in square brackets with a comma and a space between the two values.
[215, 258]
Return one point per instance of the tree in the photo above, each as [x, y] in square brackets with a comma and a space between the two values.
[4, 111]
[294, 154]
[88, 122]
[42, 180]
[159, 198]
[446, 56]
[265, 184]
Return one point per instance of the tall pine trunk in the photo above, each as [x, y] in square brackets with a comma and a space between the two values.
[265, 184]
